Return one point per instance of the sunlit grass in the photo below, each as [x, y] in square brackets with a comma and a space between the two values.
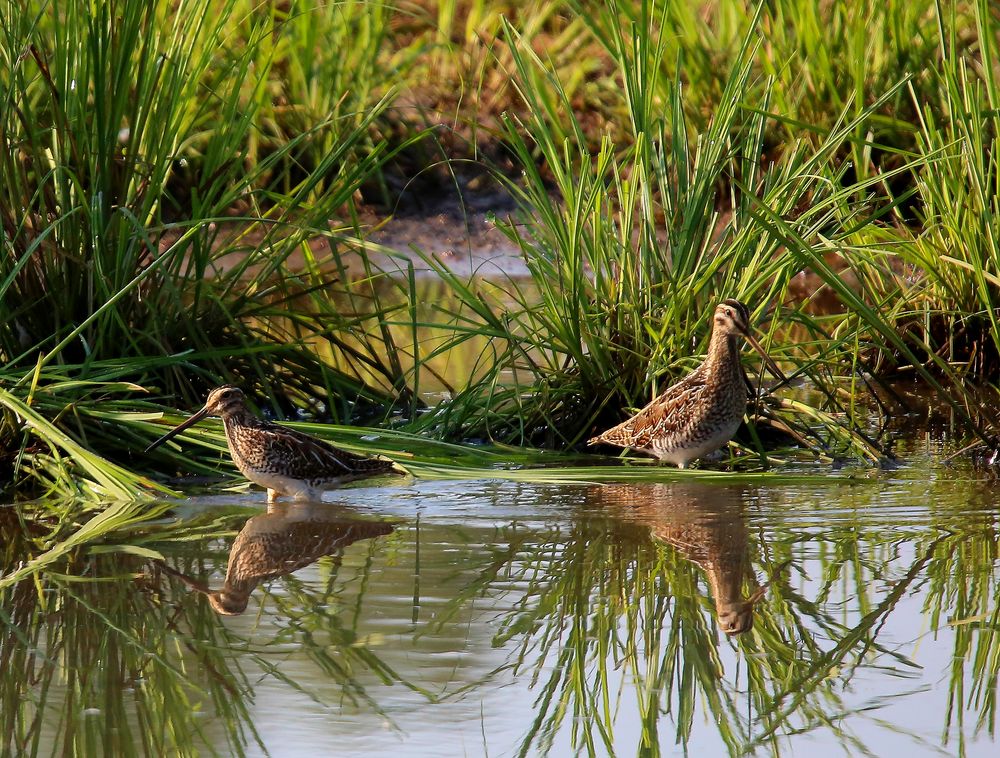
[628, 251]
[146, 233]
[180, 208]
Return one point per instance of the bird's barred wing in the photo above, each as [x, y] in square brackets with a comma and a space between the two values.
[667, 414]
[310, 457]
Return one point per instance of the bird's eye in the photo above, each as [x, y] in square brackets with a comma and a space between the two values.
[729, 312]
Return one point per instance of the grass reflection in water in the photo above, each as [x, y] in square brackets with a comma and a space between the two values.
[724, 617]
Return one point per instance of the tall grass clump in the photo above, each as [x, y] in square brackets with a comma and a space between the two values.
[104, 113]
[154, 190]
[931, 312]
[879, 120]
[955, 302]
[630, 246]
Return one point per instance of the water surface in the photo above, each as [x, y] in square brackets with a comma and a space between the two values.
[850, 613]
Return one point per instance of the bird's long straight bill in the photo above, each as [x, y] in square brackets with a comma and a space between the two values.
[179, 428]
[767, 358]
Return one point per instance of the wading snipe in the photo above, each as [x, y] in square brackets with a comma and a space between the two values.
[282, 460]
[702, 412]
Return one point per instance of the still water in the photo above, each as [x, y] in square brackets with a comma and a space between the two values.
[828, 615]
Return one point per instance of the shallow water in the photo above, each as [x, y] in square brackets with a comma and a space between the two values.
[503, 618]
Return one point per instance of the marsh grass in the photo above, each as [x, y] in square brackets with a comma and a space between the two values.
[679, 203]
[134, 135]
[131, 281]
[957, 251]
[179, 197]
[628, 250]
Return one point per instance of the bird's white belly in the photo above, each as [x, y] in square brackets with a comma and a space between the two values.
[681, 452]
[283, 485]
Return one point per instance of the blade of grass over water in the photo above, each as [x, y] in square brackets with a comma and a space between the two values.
[430, 459]
[54, 457]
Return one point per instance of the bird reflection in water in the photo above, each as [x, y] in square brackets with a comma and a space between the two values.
[289, 536]
[705, 524]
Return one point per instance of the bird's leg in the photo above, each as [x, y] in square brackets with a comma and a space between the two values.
[272, 495]
[308, 495]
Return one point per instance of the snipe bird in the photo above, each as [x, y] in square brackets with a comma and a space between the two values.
[282, 460]
[702, 412]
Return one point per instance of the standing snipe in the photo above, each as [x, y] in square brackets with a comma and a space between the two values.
[282, 460]
[702, 412]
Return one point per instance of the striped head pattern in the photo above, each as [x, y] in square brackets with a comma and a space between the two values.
[732, 317]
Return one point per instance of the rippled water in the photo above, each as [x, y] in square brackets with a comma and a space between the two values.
[842, 613]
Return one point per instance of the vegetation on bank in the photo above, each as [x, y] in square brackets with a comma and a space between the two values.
[182, 197]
